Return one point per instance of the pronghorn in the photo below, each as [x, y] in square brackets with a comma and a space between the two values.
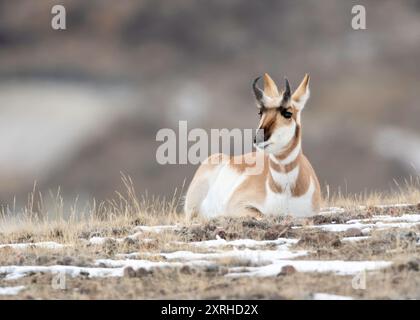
[287, 184]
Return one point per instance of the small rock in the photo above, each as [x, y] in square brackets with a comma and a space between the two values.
[142, 272]
[139, 222]
[270, 235]
[130, 241]
[129, 272]
[94, 234]
[42, 260]
[84, 274]
[65, 261]
[287, 270]
[212, 268]
[223, 271]
[353, 232]
[408, 236]
[221, 233]
[185, 270]
[232, 235]
[413, 265]
[329, 218]
[117, 231]
[20, 259]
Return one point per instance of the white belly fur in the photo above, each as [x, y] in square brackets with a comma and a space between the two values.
[224, 183]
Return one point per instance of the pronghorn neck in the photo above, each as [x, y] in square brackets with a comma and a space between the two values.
[291, 153]
[284, 167]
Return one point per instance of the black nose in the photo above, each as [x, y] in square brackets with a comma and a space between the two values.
[260, 136]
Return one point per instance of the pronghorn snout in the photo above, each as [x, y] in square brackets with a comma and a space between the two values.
[260, 137]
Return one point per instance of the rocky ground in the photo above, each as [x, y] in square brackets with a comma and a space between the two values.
[360, 253]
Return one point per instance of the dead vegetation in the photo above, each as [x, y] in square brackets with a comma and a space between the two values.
[118, 227]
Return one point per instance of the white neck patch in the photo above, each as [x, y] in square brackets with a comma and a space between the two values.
[290, 158]
[286, 180]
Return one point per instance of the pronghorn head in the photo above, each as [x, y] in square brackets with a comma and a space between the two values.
[279, 113]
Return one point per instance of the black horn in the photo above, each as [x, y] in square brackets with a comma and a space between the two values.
[287, 92]
[259, 94]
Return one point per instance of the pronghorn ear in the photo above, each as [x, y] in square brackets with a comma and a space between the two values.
[270, 88]
[301, 95]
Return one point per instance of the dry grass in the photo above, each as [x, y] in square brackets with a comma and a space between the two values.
[117, 218]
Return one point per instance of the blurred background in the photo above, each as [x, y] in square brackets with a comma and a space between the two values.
[80, 106]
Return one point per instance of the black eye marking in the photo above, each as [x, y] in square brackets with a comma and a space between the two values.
[285, 113]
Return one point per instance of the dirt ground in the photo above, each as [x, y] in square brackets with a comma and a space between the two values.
[400, 245]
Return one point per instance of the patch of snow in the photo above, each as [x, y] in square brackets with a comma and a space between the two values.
[147, 264]
[98, 240]
[353, 239]
[336, 266]
[137, 235]
[254, 256]
[378, 222]
[43, 245]
[386, 218]
[249, 243]
[340, 227]
[397, 205]
[11, 291]
[105, 268]
[401, 225]
[328, 296]
[331, 210]
[132, 255]
[156, 229]
[17, 272]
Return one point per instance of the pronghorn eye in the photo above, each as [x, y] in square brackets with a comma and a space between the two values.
[286, 114]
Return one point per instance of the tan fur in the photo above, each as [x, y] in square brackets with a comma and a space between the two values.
[270, 88]
[251, 192]
[299, 92]
[200, 184]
